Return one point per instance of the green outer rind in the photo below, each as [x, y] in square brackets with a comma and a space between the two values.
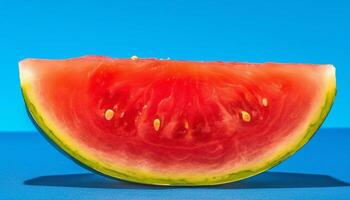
[96, 167]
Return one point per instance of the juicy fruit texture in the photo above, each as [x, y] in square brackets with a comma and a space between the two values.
[177, 122]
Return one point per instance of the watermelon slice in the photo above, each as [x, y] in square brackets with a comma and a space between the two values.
[167, 122]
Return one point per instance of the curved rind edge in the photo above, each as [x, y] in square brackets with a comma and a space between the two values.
[96, 167]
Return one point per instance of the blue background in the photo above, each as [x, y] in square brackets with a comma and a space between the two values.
[254, 31]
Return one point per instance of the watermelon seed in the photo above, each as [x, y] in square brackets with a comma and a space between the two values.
[264, 102]
[156, 124]
[109, 114]
[134, 57]
[245, 116]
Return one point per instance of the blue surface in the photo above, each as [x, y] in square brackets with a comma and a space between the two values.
[256, 31]
[32, 169]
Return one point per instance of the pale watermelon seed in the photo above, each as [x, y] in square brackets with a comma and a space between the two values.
[245, 116]
[264, 102]
[109, 113]
[156, 124]
[134, 57]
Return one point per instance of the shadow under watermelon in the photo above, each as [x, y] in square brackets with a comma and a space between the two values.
[264, 180]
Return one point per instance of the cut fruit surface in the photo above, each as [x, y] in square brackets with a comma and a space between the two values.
[170, 122]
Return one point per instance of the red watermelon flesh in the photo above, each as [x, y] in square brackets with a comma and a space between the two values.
[177, 122]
